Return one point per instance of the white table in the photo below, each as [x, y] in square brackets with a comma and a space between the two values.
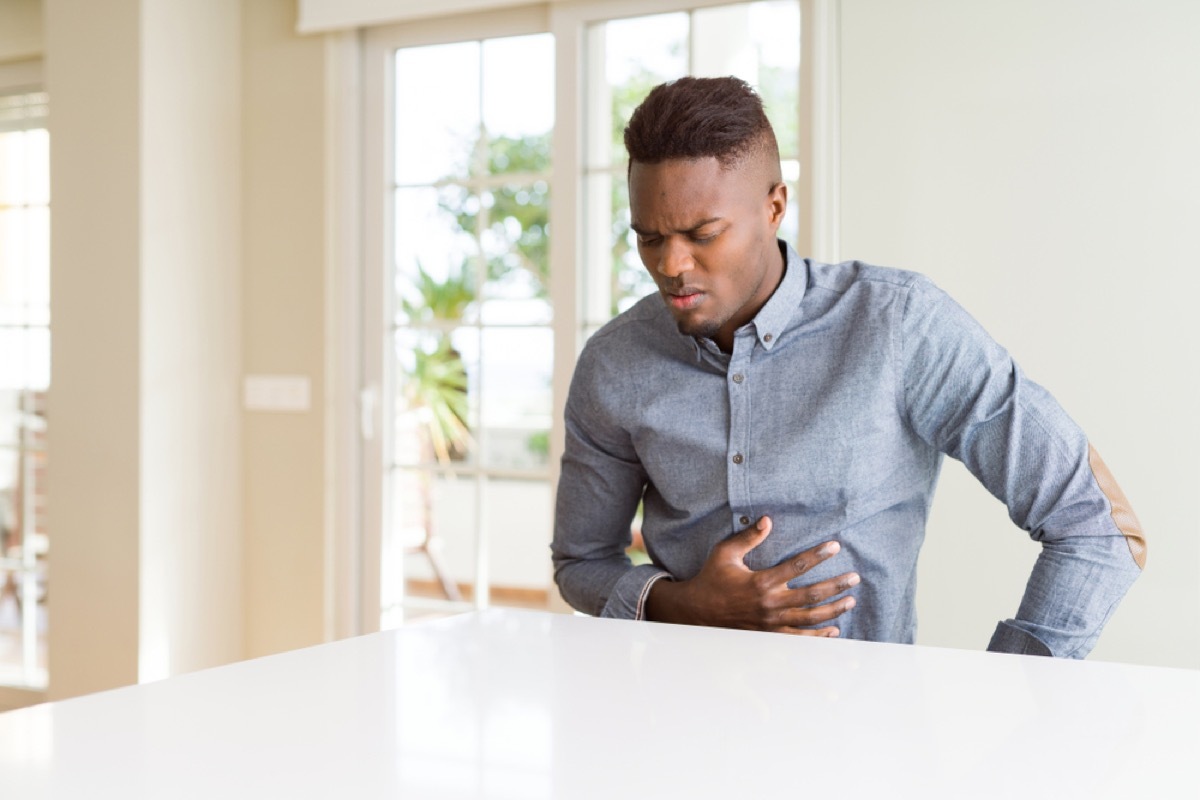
[508, 704]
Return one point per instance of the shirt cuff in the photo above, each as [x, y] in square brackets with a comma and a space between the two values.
[1008, 638]
[628, 597]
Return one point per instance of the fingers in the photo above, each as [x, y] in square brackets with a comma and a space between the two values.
[747, 539]
[820, 592]
[803, 562]
[815, 615]
[829, 632]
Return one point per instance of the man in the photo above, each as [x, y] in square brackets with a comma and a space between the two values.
[783, 421]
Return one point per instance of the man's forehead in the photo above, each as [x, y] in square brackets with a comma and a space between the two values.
[702, 186]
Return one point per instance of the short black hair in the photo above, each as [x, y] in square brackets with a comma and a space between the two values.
[691, 118]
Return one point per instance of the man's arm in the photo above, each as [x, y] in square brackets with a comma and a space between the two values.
[599, 488]
[963, 394]
[598, 494]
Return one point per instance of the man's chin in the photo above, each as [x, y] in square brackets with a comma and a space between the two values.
[700, 328]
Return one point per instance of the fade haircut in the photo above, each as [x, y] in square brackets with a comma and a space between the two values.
[692, 118]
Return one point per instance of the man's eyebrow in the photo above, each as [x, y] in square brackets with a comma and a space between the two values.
[642, 231]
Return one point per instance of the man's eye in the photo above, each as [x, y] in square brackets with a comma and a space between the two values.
[704, 238]
[648, 241]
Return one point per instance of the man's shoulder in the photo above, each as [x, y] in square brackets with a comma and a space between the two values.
[634, 342]
[846, 275]
[641, 323]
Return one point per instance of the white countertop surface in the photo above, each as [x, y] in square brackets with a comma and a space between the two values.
[511, 704]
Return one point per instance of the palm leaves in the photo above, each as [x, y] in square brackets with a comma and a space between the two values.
[435, 378]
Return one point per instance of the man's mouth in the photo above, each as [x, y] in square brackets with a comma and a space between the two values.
[684, 299]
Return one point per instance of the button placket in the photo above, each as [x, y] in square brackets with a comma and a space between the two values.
[739, 394]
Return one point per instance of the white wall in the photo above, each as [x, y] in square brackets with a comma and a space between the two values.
[1039, 160]
[191, 551]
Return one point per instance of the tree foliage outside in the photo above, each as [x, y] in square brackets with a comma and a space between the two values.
[511, 221]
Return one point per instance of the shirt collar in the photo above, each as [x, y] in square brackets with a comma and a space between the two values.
[773, 318]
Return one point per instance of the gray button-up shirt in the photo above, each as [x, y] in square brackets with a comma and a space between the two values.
[831, 416]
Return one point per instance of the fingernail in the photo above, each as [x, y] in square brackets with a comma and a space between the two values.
[762, 523]
[850, 603]
[853, 579]
[834, 633]
[831, 548]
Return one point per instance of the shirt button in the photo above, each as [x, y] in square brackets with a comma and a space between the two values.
[738, 378]
[744, 520]
[768, 337]
[737, 458]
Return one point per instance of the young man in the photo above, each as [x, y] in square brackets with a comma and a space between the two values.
[783, 421]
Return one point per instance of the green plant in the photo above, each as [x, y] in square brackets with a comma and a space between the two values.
[437, 385]
[514, 215]
[435, 382]
[444, 300]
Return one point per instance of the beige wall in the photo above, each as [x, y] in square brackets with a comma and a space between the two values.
[95, 400]
[283, 326]
[144, 465]
[21, 30]
[1039, 161]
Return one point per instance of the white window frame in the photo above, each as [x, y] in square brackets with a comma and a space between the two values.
[568, 23]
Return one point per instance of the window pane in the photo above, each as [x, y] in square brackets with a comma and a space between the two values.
[775, 33]
[759, 43]
[25, 266]
[516, 397]
[23, 539]
[518, 101]
[789, 231]
[616, 277]
[11, 418]
[437, 396]
[631, 281]
[12, 168]
[515, 243]
[639, 54]
[436, 128]
[429, 548]
[24, 358]
[519, 514]
[436, 254]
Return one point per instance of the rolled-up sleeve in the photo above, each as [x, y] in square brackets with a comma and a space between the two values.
[964, 395]
[599, 488]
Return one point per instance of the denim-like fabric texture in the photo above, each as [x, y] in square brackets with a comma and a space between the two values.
[831, 416]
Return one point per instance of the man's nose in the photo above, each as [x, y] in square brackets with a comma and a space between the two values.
[675, 260]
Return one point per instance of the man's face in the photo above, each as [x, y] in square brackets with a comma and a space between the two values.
[707, 236]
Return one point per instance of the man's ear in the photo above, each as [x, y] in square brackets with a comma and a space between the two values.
[777, 204]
